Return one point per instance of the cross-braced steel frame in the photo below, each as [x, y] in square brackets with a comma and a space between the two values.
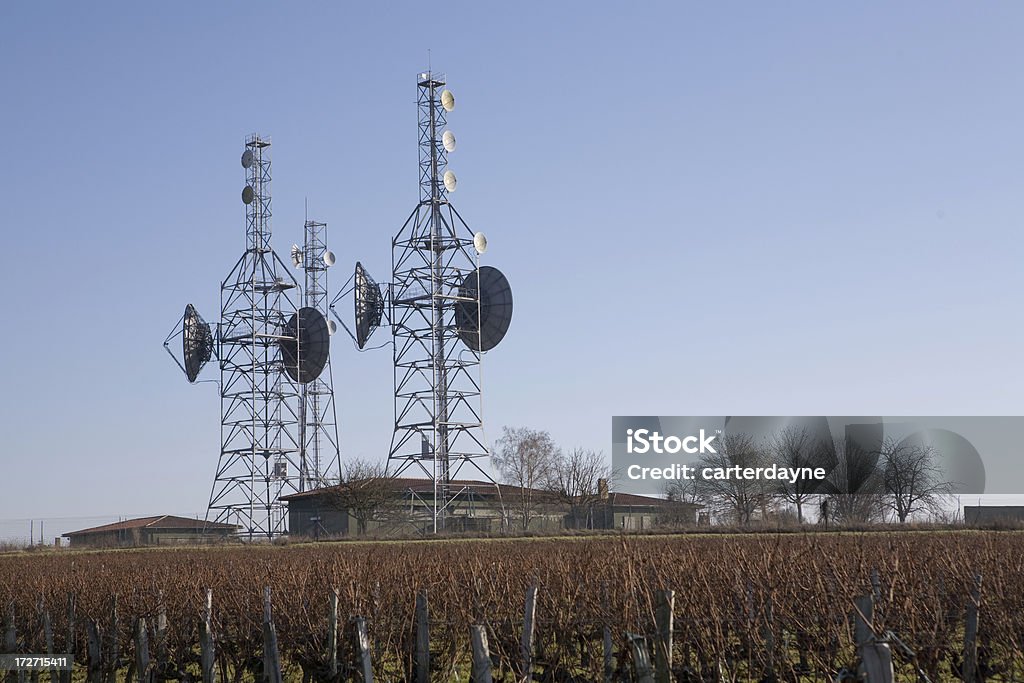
[438, 414]
[318, 424]
[260, 453]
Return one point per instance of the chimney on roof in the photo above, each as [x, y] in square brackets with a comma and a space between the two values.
[602, 489]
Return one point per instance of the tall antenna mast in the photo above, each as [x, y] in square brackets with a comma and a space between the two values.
[259, 425]
[438, 297]
[318, 419]
[269, 355]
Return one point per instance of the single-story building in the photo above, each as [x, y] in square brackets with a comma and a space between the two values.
[406, 504]
[161, 530]
[993, 514]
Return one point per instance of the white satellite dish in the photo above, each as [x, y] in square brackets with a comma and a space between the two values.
[449, 181]
[480, 242]
[247, 158]
[448, 140]
[447, 100]
[332, 326]
[329, 259]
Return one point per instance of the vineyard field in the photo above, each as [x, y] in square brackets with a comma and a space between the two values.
[744, 608]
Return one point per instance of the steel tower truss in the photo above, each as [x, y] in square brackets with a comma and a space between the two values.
[319, 420]
[260, 449]
[438, 423]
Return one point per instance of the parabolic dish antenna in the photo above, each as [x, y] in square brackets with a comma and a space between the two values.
[196, 342]
[247, 158]
[480, 242]
[329, 259]
[450, 182]
[305, 357]
[369, 305]
[248, 194]
[448, 140]
[482, 330]
[447, 100]
[332, 326]
[296, 255]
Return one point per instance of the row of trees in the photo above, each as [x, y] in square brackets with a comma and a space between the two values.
[531, 461]
[896, 480]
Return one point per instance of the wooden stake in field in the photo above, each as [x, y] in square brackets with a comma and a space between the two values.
[663, 644]
[481, 655]
[970, 653]
[526, 642]
[363, 645]
[332, 634]
[422, 657]
[142, 668]
[271, 658]
[207, 651]
[65, 674]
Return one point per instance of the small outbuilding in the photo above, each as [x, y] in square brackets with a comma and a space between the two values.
[975, 515]
[161, 530]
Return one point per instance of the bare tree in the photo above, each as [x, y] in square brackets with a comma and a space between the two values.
[797, 448]
[682, 495]
[854, 487]
[735, 497]
[365, 491]
[911, 479]
[685, 490]
[524, 458]
[574, 480]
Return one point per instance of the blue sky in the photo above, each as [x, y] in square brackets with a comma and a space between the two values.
[730, 208]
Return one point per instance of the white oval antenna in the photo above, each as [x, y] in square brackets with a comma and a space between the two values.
[449, 181]
[247, 158]
[329, 259]
[332, 326]
[447, 100]
[480, 242]
[448, 140]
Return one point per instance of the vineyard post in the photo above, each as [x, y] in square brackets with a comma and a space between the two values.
[481, 654]
[115, 643]
[363, 645]
[65, 674]
[663, 644]
[207, 653]
[641, 658]
[160, 630]
[10, 636]
[422, 658]
[48, 636]
[526, 643]
[863, 616]
[142, 651]
[875, 658]
[332, 634]
[609, 667]
[95, 652]
[970, 654]
[271, 658]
